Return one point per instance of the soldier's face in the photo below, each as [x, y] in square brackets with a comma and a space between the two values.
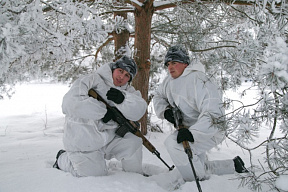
[176, 68]
[120, 77]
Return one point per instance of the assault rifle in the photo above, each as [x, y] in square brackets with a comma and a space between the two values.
[179, 125]
[126, 125]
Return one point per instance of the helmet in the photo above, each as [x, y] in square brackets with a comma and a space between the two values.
[177, 53]
[126, 63]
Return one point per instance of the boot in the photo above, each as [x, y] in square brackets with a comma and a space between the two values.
[239, 165]
[57, 156]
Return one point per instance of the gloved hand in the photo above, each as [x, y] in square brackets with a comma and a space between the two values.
[168, 115]
[184, 135]
[115, 95]
[108, 116]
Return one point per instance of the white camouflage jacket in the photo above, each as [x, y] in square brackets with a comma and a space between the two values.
[84, 130]
[197, 98]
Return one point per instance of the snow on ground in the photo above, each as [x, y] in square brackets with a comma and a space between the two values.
[31, 129]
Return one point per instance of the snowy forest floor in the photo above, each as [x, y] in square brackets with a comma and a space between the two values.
[31, 129]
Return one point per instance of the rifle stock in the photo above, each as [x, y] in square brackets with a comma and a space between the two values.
[132, 126]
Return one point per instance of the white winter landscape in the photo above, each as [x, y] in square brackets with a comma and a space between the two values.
[31, 129]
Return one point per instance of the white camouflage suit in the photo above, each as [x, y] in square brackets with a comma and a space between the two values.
[197, 98]
[87, 140]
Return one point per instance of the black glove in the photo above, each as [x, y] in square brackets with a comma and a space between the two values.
[184, 135]
[115, 95]
[168, 115]
[108, 116]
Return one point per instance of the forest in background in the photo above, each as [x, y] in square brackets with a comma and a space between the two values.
[236, 41]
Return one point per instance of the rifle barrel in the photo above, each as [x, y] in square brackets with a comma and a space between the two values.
[186, 146]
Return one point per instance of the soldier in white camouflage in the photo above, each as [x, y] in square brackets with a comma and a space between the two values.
[200, 100]
[89, 132]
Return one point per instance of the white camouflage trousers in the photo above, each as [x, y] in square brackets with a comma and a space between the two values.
[128, 150]
[202, 167]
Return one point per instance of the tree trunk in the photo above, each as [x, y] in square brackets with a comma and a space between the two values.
[143, 19]
[120, 39]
